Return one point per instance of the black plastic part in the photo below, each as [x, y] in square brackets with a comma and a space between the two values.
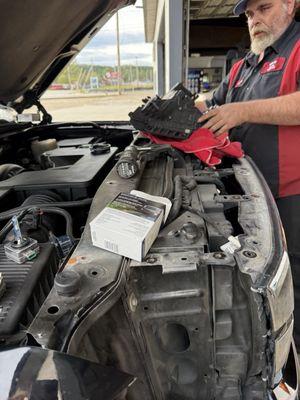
[100, 148]
[40, 374]
[63, 244]
[34, 223]
[71, 173]
[67, 283]
[173, 116]
[27, 286]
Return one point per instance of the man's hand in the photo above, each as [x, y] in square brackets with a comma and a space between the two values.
[201, 105]
[281, 110]
[222, 119]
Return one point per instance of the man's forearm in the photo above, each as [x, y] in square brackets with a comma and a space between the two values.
[283, 110]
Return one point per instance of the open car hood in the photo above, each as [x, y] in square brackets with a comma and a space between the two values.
[38, 39]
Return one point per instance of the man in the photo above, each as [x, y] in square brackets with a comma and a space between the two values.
[259, 103]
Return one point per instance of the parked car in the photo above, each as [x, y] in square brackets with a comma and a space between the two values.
[191, 321]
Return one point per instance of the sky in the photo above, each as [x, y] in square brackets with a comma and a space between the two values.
[102, 49]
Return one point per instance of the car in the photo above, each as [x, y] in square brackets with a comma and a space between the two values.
[193, 319]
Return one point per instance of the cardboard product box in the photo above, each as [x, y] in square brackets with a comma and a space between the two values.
[129, 224]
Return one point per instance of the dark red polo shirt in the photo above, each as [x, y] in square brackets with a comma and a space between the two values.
[275, 150]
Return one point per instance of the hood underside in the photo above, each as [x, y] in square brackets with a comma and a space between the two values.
[38, 39]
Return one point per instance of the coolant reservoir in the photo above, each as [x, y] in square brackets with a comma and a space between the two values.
[42, 146]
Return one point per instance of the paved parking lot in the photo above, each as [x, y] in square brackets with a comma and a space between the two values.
[72, 106]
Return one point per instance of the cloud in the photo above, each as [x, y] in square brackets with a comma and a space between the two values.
[108, 38]
[102, 49]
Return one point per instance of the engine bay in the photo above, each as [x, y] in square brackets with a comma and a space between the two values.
[49, 184]
[191, 320]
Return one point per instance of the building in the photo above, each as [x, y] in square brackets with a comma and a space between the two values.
[194, 41]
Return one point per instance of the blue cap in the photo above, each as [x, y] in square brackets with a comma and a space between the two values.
[240, 7]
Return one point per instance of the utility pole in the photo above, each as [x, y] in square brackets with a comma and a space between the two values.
[131, 77]
[87, 77]
[69, 77]
[82, 79]
[137, 72]
[118, 55]
[79, 79]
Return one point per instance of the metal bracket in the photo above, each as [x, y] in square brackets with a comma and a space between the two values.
[236, 198]
[185, 261]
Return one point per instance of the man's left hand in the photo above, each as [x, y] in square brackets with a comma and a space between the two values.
[222, 119]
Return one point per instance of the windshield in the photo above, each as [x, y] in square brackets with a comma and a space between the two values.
[98, 85]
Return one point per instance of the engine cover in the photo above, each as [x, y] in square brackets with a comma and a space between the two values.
[72, 172]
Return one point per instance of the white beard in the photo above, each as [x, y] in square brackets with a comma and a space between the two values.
[259, 45]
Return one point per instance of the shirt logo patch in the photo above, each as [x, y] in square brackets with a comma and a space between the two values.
[273, 66]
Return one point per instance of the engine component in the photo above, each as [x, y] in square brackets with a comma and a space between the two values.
[100, 148]
[189, 321]
[27, 250]
[74, 173]
[9, 170]
[21, 248]
[63, 244]
[38, 224]
[27, 286]
[174, 115]
[39, 147]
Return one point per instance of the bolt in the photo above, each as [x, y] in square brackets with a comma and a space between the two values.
[219, 256]
[151, 260]
[243, 171]
[132, 302]
[249, 254]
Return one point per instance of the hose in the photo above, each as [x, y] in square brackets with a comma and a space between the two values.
[48, 210]
[169, 184]
[179, 182]
[177, 201]
[46, 197]
[62, 204]
[65, 214]
[190, 183]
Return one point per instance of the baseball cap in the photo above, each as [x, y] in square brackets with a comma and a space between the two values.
[240, 7]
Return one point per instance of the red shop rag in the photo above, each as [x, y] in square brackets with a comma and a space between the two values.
[204, 145]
